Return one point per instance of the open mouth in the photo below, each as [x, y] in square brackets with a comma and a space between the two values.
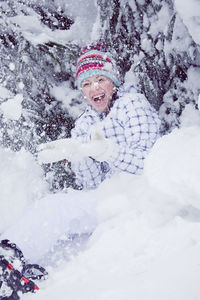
[99, 98]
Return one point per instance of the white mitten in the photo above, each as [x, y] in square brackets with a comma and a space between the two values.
[99, 147]
[57, 150]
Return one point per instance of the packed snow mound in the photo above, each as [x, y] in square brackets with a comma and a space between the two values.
[190, 14]
[21, 183]
[12, 108]
[146, 245]
[173, 166]
[135, 252]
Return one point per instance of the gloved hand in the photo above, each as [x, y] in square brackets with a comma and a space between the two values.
[57, 150]
[98, 148]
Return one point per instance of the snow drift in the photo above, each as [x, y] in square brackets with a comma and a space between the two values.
[146, 245]
[20, 184]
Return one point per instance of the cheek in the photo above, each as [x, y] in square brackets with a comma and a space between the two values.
[110, 89]
[87, 97]
[85, 93]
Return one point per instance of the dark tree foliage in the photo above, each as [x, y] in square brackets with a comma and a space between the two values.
[146, 51]
[36, 69]
[159, 67]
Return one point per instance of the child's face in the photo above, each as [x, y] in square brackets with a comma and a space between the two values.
[98, 90]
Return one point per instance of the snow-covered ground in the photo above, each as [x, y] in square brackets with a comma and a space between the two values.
[146, 245]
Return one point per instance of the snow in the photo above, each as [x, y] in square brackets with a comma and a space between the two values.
[65, 94]
[20, 184]
[190, 14]
[80, 32]
[12, 66]
[160, 24]
[199, 102]
[175, 177]
[180, 39]
[72, 150]
[4, 93]
[188, 11]
[12, 108]
[193, 78]
[146, 244]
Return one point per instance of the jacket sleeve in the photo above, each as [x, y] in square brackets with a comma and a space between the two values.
[135, 128]
[89, 172]
[141, 129]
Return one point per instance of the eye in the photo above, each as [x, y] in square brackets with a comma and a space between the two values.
[101, 79]
[85, 84]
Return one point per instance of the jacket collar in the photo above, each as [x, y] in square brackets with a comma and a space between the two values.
[90, 110]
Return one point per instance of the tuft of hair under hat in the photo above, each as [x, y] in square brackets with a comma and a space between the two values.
[95, 60]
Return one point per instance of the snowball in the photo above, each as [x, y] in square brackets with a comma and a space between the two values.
[12, 66]
[21, 85]
[12, 108]
[21, 183]
[4, 93]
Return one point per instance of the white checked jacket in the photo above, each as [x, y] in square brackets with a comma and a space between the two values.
[134, 126]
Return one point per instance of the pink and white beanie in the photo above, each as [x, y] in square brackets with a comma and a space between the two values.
[94, 60]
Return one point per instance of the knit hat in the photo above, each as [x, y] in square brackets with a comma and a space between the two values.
[95, 60]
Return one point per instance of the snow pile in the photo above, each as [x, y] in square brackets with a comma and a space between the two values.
[66, 95]
[4, 93]
[20, 184]
[178, 173]
[146, 245]
[80, 31]
[10, 104]
[12, 108]
[190, 14]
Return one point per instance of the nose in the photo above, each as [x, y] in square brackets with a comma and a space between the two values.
[95, 85]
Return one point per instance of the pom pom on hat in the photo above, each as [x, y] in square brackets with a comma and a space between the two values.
[95, 60]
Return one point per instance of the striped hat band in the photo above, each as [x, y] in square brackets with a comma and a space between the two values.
[95, 62]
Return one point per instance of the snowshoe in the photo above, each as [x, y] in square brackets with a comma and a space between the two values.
[15, 274]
